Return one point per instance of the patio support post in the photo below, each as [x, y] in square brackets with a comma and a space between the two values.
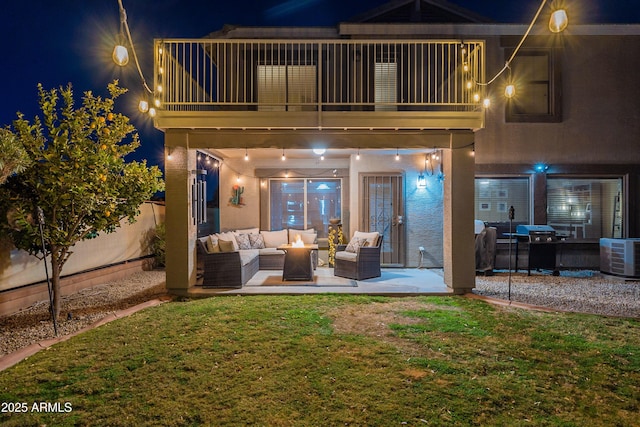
[459, 249]
[180, 230]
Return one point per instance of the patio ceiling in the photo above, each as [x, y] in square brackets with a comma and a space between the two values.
[307, 153]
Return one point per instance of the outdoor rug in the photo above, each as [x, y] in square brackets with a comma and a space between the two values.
[318, 281]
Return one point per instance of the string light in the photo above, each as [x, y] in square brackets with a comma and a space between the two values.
[358, 155]
[143, 106]
[246, 155]
[397, 155]
[283, 156]
[510, 90]
[121, 57]
[557, 23]
[120, 53]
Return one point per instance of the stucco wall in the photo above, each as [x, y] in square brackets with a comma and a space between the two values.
[600, 120]
[241, 216]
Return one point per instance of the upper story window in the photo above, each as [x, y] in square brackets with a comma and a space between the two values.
[536, 75]
[386, 86]
[287, 87]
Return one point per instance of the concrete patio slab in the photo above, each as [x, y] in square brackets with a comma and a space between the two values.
[394, 281]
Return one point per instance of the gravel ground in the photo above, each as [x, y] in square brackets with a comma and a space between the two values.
[580, 291]
[79, 310]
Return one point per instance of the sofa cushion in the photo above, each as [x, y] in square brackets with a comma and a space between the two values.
[372, 238]
[247, 255]
[270, 251]
[226, 245]
[346, 256]
[256, 241]
[254, 230]
[273, 239]
[309, 238]
[293, 233]
[243, 241]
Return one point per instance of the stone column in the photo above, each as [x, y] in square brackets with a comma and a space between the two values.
[459, 245]
[180, 230]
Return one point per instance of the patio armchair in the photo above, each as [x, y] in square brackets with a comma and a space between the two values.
[361, 264]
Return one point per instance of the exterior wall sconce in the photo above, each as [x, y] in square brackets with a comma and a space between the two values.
[422, 181]
[541, 167]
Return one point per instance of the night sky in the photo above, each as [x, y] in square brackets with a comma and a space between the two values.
[62, 41]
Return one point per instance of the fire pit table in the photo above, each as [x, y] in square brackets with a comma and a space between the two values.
[298, 262]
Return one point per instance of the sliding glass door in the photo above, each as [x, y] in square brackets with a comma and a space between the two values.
[303, 203]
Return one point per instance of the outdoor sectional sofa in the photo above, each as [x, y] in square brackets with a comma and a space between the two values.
[230, 259]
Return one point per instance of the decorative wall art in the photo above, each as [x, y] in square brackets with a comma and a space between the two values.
[236, 196]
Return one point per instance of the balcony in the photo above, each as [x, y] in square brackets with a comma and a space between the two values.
[319, 84]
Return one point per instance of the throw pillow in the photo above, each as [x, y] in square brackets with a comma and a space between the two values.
[212, 245]
[355, 244]
[257, 241]
[226, 246]
[243, 241]
[230, 237]
[371, 238]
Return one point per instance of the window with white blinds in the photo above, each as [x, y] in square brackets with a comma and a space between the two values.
[494, 197]
[301, 87]
[287, 87]
[272, 87]
[386, 86]
[585, 208]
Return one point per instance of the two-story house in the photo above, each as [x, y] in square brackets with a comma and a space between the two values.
[382, 123]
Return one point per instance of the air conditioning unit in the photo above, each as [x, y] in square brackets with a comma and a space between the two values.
[620, 257]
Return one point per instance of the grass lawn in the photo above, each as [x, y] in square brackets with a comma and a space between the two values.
[334, 360]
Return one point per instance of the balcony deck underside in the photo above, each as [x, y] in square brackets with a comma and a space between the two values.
[342, 120]
[308, 138]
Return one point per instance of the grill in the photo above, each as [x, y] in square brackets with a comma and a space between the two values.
[541, 244]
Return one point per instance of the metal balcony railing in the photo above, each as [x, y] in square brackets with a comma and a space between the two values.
[318, 75]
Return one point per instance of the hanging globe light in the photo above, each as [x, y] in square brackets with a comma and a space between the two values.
[558, 21]
[120, 55]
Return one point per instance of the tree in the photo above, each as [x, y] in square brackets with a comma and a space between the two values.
[13, 157]
[78, 176]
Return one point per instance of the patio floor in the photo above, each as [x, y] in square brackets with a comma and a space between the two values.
[394, 281]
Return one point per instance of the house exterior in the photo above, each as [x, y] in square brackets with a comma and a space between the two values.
[395, 98]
